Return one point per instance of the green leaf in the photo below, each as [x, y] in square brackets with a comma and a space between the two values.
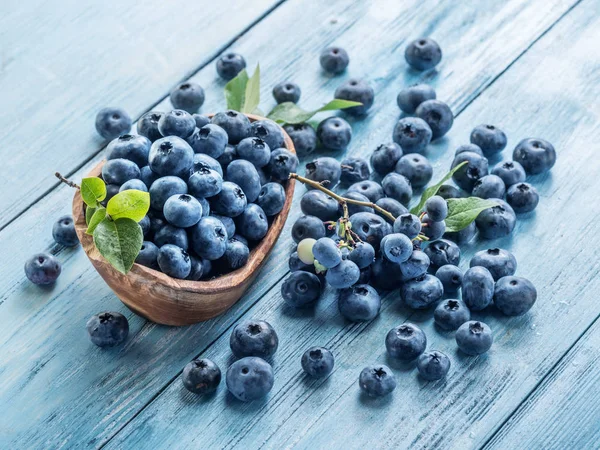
[252, 93]
[289, 112]
[119, 241]
[463, 211]
[93, 190]
[235, 91]
[131, 204]
[98, 217]
[89, 212]
[432, 190]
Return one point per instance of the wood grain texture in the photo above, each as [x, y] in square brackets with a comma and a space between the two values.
[61, 61]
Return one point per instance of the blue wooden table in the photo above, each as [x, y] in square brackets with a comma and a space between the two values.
[531, 67]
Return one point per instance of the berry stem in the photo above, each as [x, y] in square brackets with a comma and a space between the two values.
[67, 182]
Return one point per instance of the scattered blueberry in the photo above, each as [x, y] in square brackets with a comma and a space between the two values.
[385, 157]
[497, 221]
[442, 252]
[253, 338]
[249, 378]
[334, 133]
[467, 175]
[370, 189]
[286, 92]
[396, 247]
[188, 96]
[112, 122]
[63, 231]
[474, 338]
[451, 314]
[433, 365]
[514, 296]
[489, 138]
[327, 252]
[500, 263]
[411, 97]
[468, 148]
[432, 230]
[108, 329]
[356, 91]
[377, 381]
[398, 187]
[451, 277]
[268, 131]
[489, 186]
[522, 197]
[438, 116]
[319, 204]
[436, 208]
[344, 275]
[535, 155]
[334, 60]
[422, 292]
[423, 54]
[416, 168]
[308, 227]
[370, 228]
[394, 207]
[415, 266]
[511, 172]
[201, 376]
[359, 303]
[408, 224]
[317, 362]
[304, 137]
[354, 170]
[42, 268]
[405, 342]
[301, 288]
[412, 134]
[477, 288]
[363, 255]
[148, 125]
[229, 65]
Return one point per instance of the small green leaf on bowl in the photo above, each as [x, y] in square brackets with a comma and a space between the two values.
[98, 216]
[119, 241]
[93, 190]
[130, 204]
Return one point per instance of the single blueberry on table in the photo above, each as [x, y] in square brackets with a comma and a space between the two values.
[436, 208]
[229, 65]
[468, 148]
[204, 161]
[489, 186]
[438, 116]
[363, 255]
[334, 133]
[396, 247]
[354, 170]
[253, 338]
[163, 188]
[442, 252]
[408, 224]
[323, 169]
[148, 125]
[467, 175]
[327, 252]
[188, 96]
[499, 262]
[170, 156]
[271, 198]
[405, 342]
[433, 365]
[112, 122]
[489, 138]
[209, 238]
[286, 92]
[394, 207]
[304, 137]
[514, 296]
[447, 191]
[301, 288]
[174, 261]
[205, 183]
[398, 187]
[148, 255]
[477, 288]
[210, 140]
[523, 197]
[384, 158]
[118, 171]
[344, 275]
[134, 184]
[451, 314]
[201, 120]
[249, 378]
[244, 174]
[359, 303]
[63, 231]
[177, 123]
[254, 150]
[268, 131]
[334, 60]
[432, 230]
[423, 54]
[422, 292]
[370, 189]
[108, 329]
[412, 134]
[497, 221]
[415, 266]
[235, 124]
[42, 268]
[236, 255]
[356, 90]
[127, 146]
[370, 228]
[252, 223]
[282, 162]
[201, 376]
[317, 362]
[511, 172]
[474, 338]
[170, 234]
[377, 381]
[416, 168]
[182, 210]
[451, 277]
[308, 227]
[411, 97]
[535, 155]
[319, 204]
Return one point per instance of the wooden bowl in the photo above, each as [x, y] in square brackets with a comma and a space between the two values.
[170, 301]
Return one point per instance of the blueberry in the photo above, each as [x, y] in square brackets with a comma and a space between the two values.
[253, 338]
[451, 314]
[477, 288]
[334, 133]
[497, 221]
[63, 231]
[397, 187]
[201, 376]
[244, 174]
[282, 162]
[405, 342]
[433, 365]
[177, 123]
[334, 60]
[438, 116]
[411, 97]
[408, 224]
[356, 90]
[228, 222]
[450, 276]
[229, 65]
[467, 175]
[207, 270]
[148, 125]
[211, 140]
[182, 210]
[228, 155]
[447, 191]
[252, 223]
[170, 156]
[385, 157]
[370, 189]
[268, 131]
[163, 188]
[412, 134]
[319, 204]
[463, 236]
[396, 247]
[354, 170]
[174, 261]
[209, 238]
[436, 208]
[205, 183]
[317, 362]
[187, 96]
[133, 184]
[235, 124]
[145, 225]
[200, 120]
[304, 137]
[249, 378]
[422, 292]
[489, 186]
[474, 338]
[500, 263]
[360, 303]
[394, 207]
[170, 234]
[301, 288]
[108, 329]
[370, 228]
[327, 252]
[271, 198]
[423, 54]
[203, 161]
[523, 197]
[377, 381]
[385, 275]
[489, 138]
[148, 255]
[442, 252]
[468, 148]
[511, 172]
[254, 150]
[344, 275]
[42, 268]
[308, 227]
[133, 148]
[365, 276]
[157, 221]
[148, 176]
[239, 238]
[324, 169]
[432, 230]
[416, 168]
[415, 266]
[286, 92]
[118, 171]
[295, 264]
[535, 155]
[363, 254]
[514, 296]
[112, 122]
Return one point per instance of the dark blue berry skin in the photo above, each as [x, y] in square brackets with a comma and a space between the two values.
[423, 54]
[296, 264]
[514, 296]
[205, 183]
[324, 169]
[433, 365]
[408, 224]
[451, 314]
[436, 208]
[308, 227]
[271, 198]
[239, 238]
[249, 378]
[170, 156]
[497, 221]
[353, 209]
[268, 131]
[370, 189]
[42, 268]
[108, 329]
[354, 170]
[177, 123]
[396, 247]
[344, 275]
[228, 155]
[394, 207]
[301, 288]
[356, 90]
[235, 124]
[134, 184]
[282, 162]
[360, 303]
[405, 342]
[182, 210]
[467, 175]
[499, 262]
[474, 338]
[203, 161]
[319, 204]
[118, 171]
[442, 252]
[468, 148]
[244, 174]
[148, 255]
[535, 155]
[170, 234]
[148, 176]
[253, 338]
[304, 137]
[489, 138]
[327, 252]
[63, 231]
[422, 292]
[205, 206]
[211, 140]
[209, 238]
[511, 172]
[523, 197]
[385, 157]
[228, 222]
[235, 256]
[377, 381]
[411, 97]
[416, 168]
[450, 276]
[447, 191]
[229, 65]
[334, 60]
[201, 376]
[188, 96]
[365, 276]
[201, 120]
[433, 230]
[398, 187]
[412, 134]
[415, 266]
[157, 221]
[463, 236]
[163, 188]
[477, 288]
[334, 133]
[317, 362]
[127, 146]
[438, 116]
[112, 122]
[370, 228]
[252, 223]
[148, 125]
[286, 92]
[362, 255]
[489, 186]
[385, 275]
[145, 225]
[254, 150]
